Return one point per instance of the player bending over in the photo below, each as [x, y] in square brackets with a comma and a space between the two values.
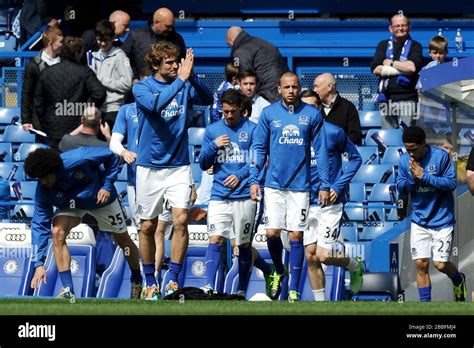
[75, 183]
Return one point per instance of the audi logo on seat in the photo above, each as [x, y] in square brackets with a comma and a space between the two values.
[15, 237]
[75, 235]
[260, 238]
[198, 236]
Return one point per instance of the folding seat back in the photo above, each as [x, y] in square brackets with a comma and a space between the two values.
[25, 149]
[384, 137]
[392, 155]
[12, 171]
[386, 193]
[369, 154]
[370, 119]
[16, 134]
[16, 267]
[23, 190]
[374, 174]
[195, 137]
[81, 244]
[9, 116]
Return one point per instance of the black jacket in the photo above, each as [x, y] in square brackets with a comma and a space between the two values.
[397, 92]
[30, 79]
[61, 95]
[345, 115]
[262, 57]
[139, 41]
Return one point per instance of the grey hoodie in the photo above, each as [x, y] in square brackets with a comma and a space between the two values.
[115, 74]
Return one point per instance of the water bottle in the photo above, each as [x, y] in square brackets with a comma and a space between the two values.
[440, 32]
[459, 41]
[371, 158]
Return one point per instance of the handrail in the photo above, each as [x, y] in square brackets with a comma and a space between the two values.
[33, 39]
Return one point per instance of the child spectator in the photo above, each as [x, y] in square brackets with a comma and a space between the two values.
[438, 51]
[231, 81]
[113, 70]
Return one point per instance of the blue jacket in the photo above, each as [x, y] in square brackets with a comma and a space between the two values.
[86, 170]
[163, 120]
[286, 137]
[234, 159]
[337, 144]
[432, 196]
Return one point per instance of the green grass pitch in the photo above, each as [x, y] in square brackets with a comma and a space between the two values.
[127, 307]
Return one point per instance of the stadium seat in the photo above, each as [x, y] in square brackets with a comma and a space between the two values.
[23, 190]
[354, 212]
[357, 192]
[349, 232]
[22, 213]
[196, 137]
[9, 116]
[115, 281]
[334, 283]
[16, 134]
[466, 135]
[12, 171]
[5, 152]
[369, 154]
[121, 187]
[81, 244]
[25, 149]
[195, 269]
[383, 193]
[391, 215]
[387, 137]
[16, 268]
[122, 176]
[370, 119]
[379, 286]
[392, 155]
[372, 232]
[374, 174]
[197, 173]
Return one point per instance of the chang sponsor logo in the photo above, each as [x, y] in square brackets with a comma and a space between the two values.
[173, 109]
[290, 135]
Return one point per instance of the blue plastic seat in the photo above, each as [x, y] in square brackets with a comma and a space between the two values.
[370, 119]
[349, 232]
[9, 116]
[25, 149]
[22, 213]
[357, 192]
[196, 137]
[369, 154]
[16, 134]
[12, 171]
[115, 281]
[392, 155]
[383, 193]
[82, 269]
[467, 136]
[16, 267]
[121, 187]
[374, 174]
[122, 176]
[5, 152]
[389, 137]
[372, 232]
[197, 173]
[24, 190]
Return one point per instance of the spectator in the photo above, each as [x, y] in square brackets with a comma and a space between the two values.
[336, 109]
[231, 81]
[86, 133]
[253, 53]
[113, 70]
[53, 42]
[311, 97]
[398, 61]
[248, 83]
[139, 41]
[438, 50]
[64, 90]
[121, 21]
[34, 14]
